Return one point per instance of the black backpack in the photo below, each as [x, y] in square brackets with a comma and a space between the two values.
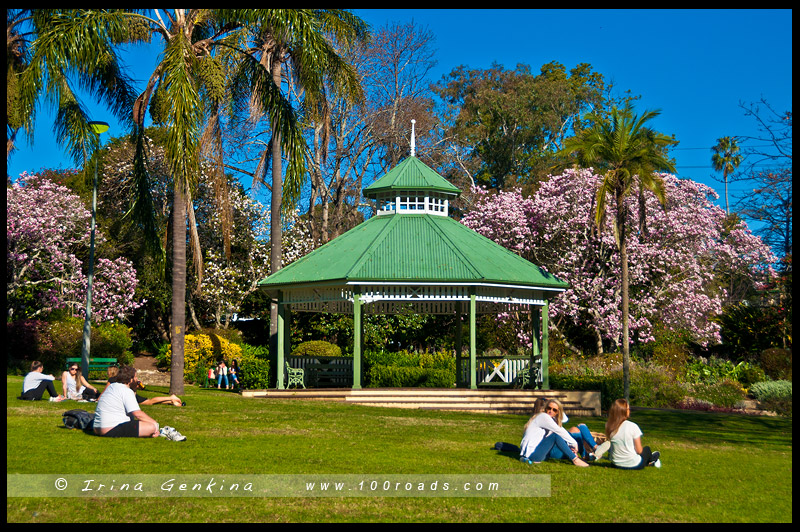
[78, 419]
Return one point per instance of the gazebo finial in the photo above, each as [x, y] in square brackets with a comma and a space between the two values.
[413, 139]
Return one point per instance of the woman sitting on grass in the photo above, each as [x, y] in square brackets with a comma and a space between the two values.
[543, 432]
[625, 440]
[76, 387]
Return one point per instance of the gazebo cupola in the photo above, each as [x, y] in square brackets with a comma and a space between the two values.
[412, 188]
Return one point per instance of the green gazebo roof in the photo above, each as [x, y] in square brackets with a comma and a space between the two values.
[411, 174]
[412, 247]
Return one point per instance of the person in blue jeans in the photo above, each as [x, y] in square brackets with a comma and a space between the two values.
[222, 375]
[544, 437]
[586, 443]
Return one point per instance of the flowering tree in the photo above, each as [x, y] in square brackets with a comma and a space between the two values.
[227, 282]
[674, 260]
[47, 226]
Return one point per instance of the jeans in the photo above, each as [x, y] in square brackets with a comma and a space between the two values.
[584, 436]
[646, 455]
[35, 394]
[548, 446]
[222, 378]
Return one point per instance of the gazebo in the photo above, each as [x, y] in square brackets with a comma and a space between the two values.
[412, 255]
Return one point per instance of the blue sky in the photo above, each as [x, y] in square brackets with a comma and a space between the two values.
[696, 66]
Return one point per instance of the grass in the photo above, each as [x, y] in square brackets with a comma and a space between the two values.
[716, 467]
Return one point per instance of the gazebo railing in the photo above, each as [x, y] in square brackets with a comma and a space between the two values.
[492, 369]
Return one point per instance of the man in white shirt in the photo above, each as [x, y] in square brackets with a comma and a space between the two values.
[36, 382]
[118, 414]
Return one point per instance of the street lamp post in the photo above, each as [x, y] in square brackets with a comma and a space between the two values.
[98, 128]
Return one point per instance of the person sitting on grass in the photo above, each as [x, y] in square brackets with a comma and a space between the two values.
[76, 387]
[172, 399]
[624, 439]
[543, 432]
[36, 382]
[118, 414]
[583, 436]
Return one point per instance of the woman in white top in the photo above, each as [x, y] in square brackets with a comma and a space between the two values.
[75, 386]
[543, 432]
[625, 439]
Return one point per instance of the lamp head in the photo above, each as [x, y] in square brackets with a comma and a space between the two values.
[99, 127]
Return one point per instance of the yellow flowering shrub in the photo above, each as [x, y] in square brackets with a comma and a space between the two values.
[203, 351]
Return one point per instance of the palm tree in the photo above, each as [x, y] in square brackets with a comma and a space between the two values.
[628, 152]
[726, 159]
[305, 42]
[186, 92]
[51, 53]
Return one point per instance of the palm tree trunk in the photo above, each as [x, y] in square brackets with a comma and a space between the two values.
[622, 237]
[178, 287]
[626, 355]
[275, 235]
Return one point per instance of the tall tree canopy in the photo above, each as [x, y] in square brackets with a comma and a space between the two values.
[628, 152]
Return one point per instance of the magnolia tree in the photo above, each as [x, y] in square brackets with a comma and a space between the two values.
[675, 257]
[226, 283]
[47, 227]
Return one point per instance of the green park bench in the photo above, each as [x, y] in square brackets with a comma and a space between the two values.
[524, 377]
[95, 364]
[296, 376]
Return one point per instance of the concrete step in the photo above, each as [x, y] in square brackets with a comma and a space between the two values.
[463, 400]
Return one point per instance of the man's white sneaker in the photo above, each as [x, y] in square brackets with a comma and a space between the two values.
[172, 434]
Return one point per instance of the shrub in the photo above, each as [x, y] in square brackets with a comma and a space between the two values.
[610, 387]
[777, 363]
[231, 335]
[725, 393]
[317, 348]
[379, 376]
[254, 374]
[764, 391]
[25, 340]
[715, 369]
[655, 386]
[112, 340]
[651, 386]
[52, 343]
[201, 351]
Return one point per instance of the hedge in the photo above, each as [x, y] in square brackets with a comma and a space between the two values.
[381, 376]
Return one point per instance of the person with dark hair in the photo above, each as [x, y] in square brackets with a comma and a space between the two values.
[36, 382]
[233, 371]
[172, 399]
[624, 437]
[75, 385]
[118, 414]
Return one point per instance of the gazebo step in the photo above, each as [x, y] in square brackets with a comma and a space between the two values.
[487, 401]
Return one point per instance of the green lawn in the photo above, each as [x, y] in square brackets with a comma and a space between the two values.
[716, 467]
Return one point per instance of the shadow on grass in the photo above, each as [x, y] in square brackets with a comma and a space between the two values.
[710, 427]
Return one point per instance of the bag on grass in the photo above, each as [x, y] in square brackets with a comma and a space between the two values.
[504, 447]
[78, 419]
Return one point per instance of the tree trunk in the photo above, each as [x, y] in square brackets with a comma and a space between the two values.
[275, 235]
[178, 288]
[623, 257]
